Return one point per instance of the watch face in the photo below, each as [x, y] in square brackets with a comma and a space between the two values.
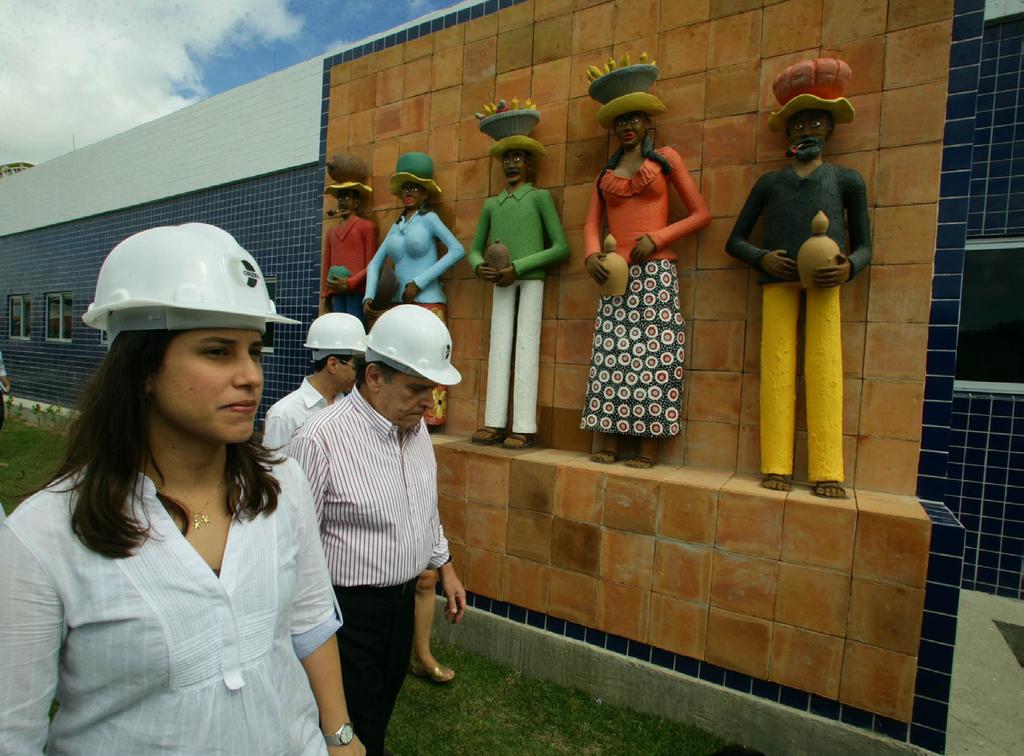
[345, 734]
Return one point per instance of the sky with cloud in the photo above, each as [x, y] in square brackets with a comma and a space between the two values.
[73, 72]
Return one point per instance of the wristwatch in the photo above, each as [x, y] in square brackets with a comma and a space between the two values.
[342, 737]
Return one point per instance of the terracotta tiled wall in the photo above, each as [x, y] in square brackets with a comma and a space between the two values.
[825, 596]
[718, 59]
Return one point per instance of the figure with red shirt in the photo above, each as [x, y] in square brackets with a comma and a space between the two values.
[349, 246]
[635, 384]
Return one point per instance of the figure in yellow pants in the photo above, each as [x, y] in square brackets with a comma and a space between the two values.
[823, 377]
[788, 199]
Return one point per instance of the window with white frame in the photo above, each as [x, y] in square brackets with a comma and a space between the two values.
[989, 353]
[20, 316]
[58, 316]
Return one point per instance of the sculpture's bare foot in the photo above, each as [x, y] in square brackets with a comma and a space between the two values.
[774, 482]
[488, 436]
[641, 462]
[604, 456]
[830, 489]
[517, 441]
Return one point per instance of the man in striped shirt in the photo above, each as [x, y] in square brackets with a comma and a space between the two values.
[371, 466]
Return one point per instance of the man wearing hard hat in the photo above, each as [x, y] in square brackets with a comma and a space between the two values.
[336, 339]
[371, 466]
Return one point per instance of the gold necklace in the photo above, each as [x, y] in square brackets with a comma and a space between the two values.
[200, 518]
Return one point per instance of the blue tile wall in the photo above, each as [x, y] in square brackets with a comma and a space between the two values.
[276, 217]
[997, 175]
[983, 479]
[986, 487]
[955, 198]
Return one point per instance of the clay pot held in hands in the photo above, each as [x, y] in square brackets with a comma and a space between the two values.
[497, 256]
[387, 285]
[818, 250]
[618, 269]
[338, 271]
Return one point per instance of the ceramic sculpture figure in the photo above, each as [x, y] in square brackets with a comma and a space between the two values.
[789, 200]
[526, 236]
[411, 244]
[349, 246]
[635, 382]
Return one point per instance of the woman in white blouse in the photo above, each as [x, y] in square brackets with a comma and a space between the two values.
[168, 587]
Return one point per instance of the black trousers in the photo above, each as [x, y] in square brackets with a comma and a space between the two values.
[375, 641]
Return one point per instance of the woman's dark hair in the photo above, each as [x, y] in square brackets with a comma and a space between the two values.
[646, 149]
[423, 210]
[109, 445]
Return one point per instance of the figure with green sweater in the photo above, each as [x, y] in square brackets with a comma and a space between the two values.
[525, 236]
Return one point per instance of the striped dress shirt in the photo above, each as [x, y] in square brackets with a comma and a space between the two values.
[375, 493]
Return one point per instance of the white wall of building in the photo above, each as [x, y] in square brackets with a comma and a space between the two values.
[268, 125]
[996, 9]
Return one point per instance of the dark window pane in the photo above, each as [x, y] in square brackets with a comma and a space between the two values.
[992, 317]
[53, 316]
[66, 311]
[15, 319]
[27, 316]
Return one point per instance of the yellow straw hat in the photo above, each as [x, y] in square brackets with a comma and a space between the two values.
[641, 102]
[363, 189]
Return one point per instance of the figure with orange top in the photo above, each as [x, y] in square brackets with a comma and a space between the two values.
[635, 384]
[807, 207]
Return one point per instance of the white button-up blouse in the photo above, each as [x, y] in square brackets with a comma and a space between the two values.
[154, 653]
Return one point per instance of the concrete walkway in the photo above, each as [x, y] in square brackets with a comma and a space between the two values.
[987, 703]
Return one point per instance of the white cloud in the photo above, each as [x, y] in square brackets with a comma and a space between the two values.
[89, 69]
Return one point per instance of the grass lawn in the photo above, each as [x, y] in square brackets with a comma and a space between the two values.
[29, 455]
[488, 709]
[492, 709]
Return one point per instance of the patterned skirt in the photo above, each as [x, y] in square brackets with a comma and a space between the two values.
[636, 366]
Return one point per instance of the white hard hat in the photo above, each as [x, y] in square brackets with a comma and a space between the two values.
[180, 278]
[336, 333]
[413, 340]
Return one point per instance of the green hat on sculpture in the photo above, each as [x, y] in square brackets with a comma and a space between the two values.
[415, 167]
[510, 126]
[347, 172]
[622, 88]
[812, 85]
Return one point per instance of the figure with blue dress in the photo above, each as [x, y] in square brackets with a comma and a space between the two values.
[411, 244]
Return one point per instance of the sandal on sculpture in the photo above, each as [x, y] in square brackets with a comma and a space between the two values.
[517, 441]
[488, 436]
[829, 489]
[775, 482]
[641, 462]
